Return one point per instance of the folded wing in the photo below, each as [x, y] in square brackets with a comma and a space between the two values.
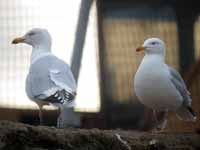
[185, 112]
[51, 80]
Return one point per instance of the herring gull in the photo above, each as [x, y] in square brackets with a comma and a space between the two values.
[50, 80]
[160, 87]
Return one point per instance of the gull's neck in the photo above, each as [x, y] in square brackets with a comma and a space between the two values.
[154, 58]
[38, 52]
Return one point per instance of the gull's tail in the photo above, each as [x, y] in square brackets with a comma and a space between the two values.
[186, 114]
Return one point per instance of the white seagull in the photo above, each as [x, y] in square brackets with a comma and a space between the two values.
[50, 80]
[160, 87]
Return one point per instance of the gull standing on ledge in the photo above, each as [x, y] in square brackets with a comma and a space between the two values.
[50, 80]
[160, 87]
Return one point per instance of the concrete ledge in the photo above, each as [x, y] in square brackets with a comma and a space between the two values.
[18, 136]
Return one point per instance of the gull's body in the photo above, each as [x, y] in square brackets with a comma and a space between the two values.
[52, 75]
[50, 80]
[154, 87]
[159, 86]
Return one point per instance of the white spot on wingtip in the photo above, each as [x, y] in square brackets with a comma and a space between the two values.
[56, 95]
[50, 92]
[59, 98]
[55, 71]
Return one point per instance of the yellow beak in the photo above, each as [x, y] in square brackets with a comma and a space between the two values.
[18, 40]
[139, 49]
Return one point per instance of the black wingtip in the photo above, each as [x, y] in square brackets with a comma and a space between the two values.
[191, 111]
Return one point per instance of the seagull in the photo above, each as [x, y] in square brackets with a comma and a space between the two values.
[159, 86]
[50, 80]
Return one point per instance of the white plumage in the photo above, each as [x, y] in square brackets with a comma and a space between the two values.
[159, 86]
[153, 86]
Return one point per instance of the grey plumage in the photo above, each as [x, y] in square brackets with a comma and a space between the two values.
[49, 79]
[185, 112]
[178, 82]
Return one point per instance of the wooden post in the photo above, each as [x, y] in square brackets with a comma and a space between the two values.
[185, 21]
[80, 37]
[70, 116]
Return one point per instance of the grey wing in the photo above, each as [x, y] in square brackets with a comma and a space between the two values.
[60, 73]
[49, 80]
[38, 83]
[185, 112]
[178, 82]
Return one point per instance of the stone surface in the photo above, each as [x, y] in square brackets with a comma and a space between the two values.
[18, 136]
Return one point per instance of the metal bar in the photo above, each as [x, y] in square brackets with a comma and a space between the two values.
[80, 37]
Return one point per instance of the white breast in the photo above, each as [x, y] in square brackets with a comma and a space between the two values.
[153, 86]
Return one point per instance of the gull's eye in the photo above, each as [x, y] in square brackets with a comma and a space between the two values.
[31, 33]
[154, 43]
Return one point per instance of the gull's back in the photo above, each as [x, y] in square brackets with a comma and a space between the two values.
[49, 74]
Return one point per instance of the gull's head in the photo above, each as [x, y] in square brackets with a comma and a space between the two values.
[152, 46]
[36, 37]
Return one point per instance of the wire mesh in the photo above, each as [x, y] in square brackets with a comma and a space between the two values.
[88, 84]
[19, 16]
[197, 38]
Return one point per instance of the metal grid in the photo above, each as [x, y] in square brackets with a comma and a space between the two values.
[88, 96]
[18, 16]
[197, 38]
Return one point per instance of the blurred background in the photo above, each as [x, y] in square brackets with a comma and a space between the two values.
[98, 39]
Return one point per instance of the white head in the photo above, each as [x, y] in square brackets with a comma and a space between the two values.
[38, 38]
[153, 46]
